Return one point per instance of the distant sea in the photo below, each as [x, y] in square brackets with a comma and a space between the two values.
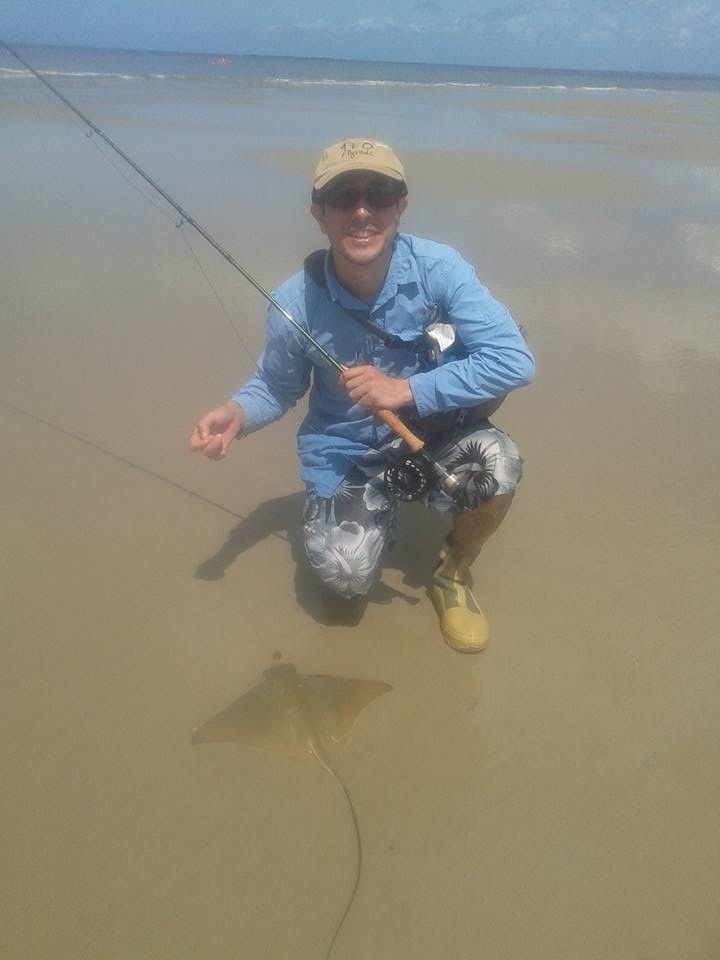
[252, 71]
[564, 170]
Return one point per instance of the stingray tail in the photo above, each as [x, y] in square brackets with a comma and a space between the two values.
[322, 757]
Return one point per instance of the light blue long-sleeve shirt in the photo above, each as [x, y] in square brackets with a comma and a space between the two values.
[336, 433]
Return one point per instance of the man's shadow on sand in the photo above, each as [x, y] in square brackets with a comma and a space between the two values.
[420, 532]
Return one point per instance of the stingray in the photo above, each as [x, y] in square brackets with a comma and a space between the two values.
[299, 716]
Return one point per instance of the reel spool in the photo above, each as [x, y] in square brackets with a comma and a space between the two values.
[408, 478]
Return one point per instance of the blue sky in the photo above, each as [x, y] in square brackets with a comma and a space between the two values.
[671, 35]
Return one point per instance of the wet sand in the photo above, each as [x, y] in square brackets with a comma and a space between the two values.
[553, 799]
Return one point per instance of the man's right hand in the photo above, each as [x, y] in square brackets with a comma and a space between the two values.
[216, 430]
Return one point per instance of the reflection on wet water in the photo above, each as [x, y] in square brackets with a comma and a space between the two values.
[299, 716]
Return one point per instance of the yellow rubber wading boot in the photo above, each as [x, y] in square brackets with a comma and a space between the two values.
[462, 623]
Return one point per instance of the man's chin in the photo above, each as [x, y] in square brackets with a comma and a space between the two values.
[362, 253]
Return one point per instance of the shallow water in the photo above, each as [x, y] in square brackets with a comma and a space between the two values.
[554, 798]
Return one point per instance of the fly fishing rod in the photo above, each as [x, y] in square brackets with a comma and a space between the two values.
[407, 477]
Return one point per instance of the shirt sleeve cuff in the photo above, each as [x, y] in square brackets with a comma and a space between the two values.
[254, 418]
[423, 391]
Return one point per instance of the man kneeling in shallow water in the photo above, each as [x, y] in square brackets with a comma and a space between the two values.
[422, 337]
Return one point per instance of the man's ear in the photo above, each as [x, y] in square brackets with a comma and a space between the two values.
[318, 212]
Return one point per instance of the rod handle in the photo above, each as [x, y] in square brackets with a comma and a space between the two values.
[393, 421]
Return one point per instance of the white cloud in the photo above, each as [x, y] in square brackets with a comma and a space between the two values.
[320, 25]
[597, 33]
[373, 24]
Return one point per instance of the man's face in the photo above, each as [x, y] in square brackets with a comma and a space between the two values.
[357, 218]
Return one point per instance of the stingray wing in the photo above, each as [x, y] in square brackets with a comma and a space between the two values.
[332, 704]
[267, 717]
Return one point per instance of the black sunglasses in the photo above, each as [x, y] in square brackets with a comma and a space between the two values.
[378, 194]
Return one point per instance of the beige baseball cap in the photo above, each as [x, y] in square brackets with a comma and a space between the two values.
[357, 153]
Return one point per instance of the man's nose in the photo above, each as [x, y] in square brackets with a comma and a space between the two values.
[361, 206]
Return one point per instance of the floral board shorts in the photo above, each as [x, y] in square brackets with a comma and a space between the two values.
[347, 534]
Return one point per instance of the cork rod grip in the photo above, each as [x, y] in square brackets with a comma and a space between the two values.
[392, 420]
[397, 426]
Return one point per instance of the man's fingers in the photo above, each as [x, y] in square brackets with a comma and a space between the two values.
[359, 381]
[213, 449]
[364, 398]
[358, 391]
[209, 445]
[202, 432]
[198, 439]
[353, 374]
[228, 436]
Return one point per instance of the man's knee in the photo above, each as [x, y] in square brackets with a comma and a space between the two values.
[505, 463]
[487, 463]
[345, 556]
[345, 535]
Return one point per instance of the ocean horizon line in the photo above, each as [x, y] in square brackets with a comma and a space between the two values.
[509, 68]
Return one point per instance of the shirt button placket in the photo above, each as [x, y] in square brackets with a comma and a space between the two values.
[378, 345]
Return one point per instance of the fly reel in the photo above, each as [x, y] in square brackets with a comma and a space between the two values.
[408, 478]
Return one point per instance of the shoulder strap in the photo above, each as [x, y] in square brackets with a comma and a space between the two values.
[314, 266]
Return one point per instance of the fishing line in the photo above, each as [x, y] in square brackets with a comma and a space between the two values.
[184, 218]
[212, 286]
[184, 215]
[59, 108]
[179, 224]
[89, 136]
[408, 476]
[150, 200]
[128, 462]
[108, 158]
